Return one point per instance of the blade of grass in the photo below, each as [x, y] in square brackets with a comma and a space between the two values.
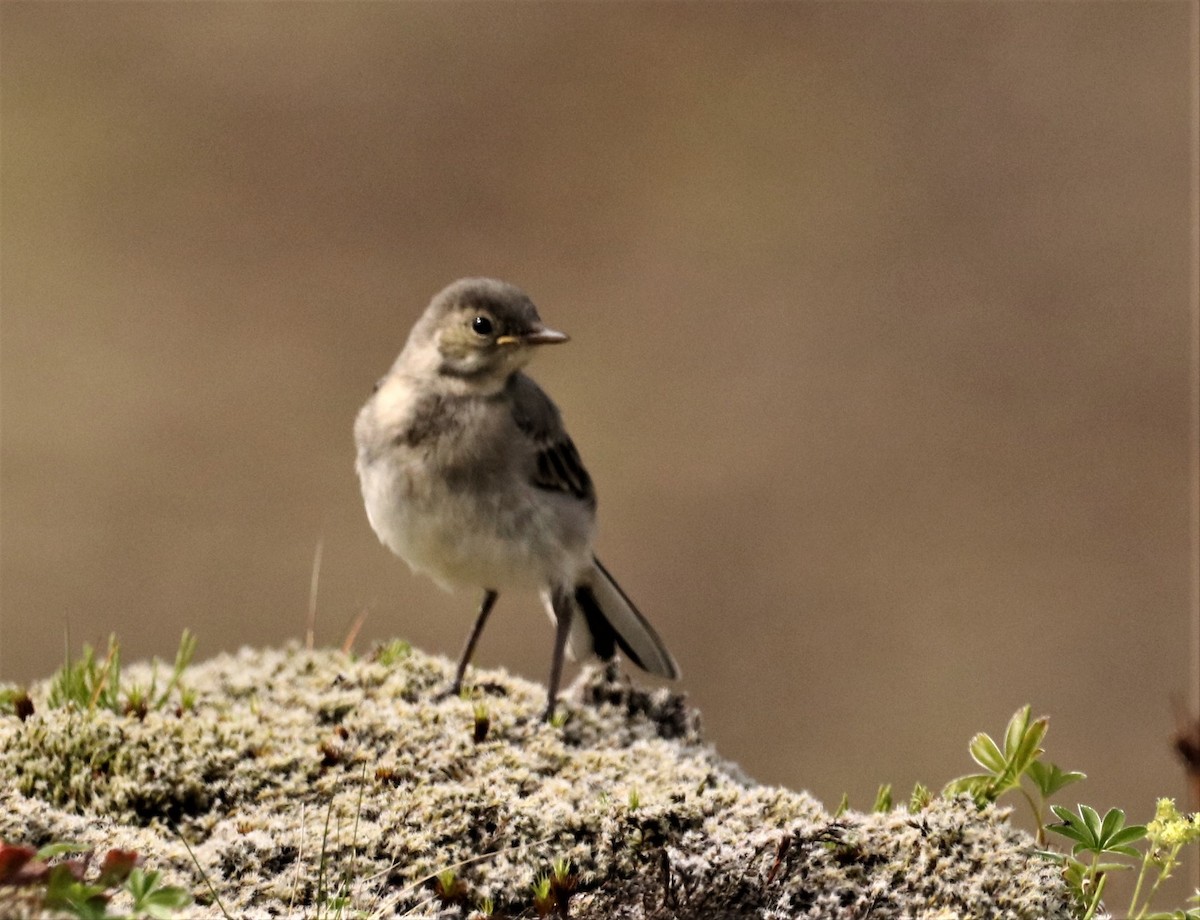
[203, 875]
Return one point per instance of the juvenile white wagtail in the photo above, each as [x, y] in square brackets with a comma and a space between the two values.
[469, 476]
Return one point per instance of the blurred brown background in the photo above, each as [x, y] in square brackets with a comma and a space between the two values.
[880, 358]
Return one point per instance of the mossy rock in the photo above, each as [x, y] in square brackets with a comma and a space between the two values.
[321, 783]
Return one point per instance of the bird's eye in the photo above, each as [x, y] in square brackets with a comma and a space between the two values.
[481, 325]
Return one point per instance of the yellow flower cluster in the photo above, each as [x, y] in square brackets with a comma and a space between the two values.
[1171, 830]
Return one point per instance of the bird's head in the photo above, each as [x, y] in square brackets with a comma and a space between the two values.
[480, 331]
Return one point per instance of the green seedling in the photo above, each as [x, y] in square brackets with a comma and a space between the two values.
[920, 799]
[449, 888]
[392, 653]
[562, 885]
[883, 798]
[1005, 768]
[543, 895]
[86, 683]
[483, 723]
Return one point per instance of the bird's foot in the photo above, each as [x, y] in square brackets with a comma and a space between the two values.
[454, 690]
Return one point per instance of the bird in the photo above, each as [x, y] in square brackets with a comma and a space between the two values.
[468, 475]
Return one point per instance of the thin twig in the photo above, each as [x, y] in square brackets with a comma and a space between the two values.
[312, 595]
[355, 627]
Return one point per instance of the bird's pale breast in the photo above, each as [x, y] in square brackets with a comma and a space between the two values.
[446, 492]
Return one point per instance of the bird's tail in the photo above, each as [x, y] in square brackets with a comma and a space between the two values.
[611, 621]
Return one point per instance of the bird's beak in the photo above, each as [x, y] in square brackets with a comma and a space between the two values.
[541, 336]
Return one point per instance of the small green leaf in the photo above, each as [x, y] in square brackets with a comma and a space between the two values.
[67, 893]
[1015, 731]
[1113, 822]
[1028, 749]
[1091, 820]
[1129, 834]
[986, 753]
[1073, 826]
[976, 785]
[560, 869]
[1050, 779]
[1071, 832]
[152, 899]
[1063, 813]
[541, 888]
[393, 652]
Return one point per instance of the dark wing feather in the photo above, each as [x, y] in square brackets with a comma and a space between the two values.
[557, 466]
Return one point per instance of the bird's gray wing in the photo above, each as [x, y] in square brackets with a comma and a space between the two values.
[557, 467]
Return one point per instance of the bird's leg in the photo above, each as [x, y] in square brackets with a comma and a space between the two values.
[485, 608]
[560, 600]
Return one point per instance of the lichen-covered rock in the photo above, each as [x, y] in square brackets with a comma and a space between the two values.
[310, 782]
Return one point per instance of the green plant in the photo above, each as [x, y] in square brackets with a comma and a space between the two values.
[1099, 837]
[1168, 832]
[543, 895]
[1101, 845]
[86, 683]
[392, 653]
[562, 885]
[552, 891]
[560, 871]
[920, 799]
[449, 888]
[183, 658]
[483, 723]
[1005, 769]
[883, 798]
[152, 898]
[1165, 835]
[70, 886]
